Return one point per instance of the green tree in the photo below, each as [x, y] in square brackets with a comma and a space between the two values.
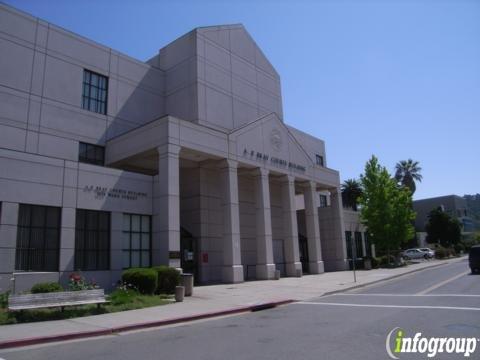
[386, 208]
[407, 172]
[351, 192]
[443, 228]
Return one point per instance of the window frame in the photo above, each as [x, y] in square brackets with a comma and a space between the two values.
[83, 155]
[319, 160]
[24, 256]
[82, 241]
[140, 250]
[94, 102]
[323, 201]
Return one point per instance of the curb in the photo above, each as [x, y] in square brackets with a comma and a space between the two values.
[385, 279]
[114, 330]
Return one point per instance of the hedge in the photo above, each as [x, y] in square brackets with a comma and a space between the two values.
[168, 278]
[46, 287]
[142, 279]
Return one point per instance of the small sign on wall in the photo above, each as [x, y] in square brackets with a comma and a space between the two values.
[205, 257]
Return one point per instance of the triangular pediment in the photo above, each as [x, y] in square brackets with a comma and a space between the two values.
[269, 140]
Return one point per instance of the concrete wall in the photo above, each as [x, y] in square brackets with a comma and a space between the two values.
[41, 74]
[217, 76]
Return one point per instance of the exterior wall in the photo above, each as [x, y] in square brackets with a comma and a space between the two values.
[219, 77]
[453, 205]
[227, 100]
[41, 89]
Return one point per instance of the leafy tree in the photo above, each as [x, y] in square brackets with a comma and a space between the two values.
[351, 192]
[386, 208]
[407, 172]
[443, 228]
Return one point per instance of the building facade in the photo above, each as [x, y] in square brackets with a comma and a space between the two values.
[453, 205]
[108, 162]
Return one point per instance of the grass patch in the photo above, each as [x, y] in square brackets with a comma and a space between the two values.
[120, 300]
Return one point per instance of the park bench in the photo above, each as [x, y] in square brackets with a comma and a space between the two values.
[56, 299]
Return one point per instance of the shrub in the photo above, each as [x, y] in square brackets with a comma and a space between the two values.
[77, 282]
[168, 278]
[459, 247]
[386, 261]
[375, 262]
[441, 253]
[4, 299]
[46, 287]
[144, 280]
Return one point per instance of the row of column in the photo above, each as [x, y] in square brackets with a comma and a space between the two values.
[167, 222]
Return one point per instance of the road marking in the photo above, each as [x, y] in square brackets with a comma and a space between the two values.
[406, 295]
[389, 306]
[436, 286]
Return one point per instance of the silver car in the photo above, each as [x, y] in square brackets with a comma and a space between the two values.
[429, 252]
[411, 254]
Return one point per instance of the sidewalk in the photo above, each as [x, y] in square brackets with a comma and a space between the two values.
[207, 301]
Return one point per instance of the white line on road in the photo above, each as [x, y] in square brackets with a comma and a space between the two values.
[436, 286]
[390, 306]
[406, 295]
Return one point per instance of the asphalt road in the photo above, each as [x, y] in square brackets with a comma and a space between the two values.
[441, 302]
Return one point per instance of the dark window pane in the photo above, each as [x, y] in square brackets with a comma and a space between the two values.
[38, 237]
[95, 92]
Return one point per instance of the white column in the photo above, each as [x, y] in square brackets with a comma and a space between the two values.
[293, 266]
[67, 239]
[166, 244]
[315, 263]
[339, 262]
[232, 262]
[265, 268]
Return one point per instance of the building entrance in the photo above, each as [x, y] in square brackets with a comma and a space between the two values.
[188, 250]
[303, 249]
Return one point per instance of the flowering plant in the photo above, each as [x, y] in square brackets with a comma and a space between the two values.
[77, 282]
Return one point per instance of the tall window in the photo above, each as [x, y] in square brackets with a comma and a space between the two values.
[91, 154]
[136, 240]
[38, 238]
[323, 201]
[319, 160]
[95, 88]
[92, 240]
[348, 238]
[358, 244]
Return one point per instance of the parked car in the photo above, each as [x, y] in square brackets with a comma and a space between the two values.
[474, 259]
[410, 254]
[429, 252]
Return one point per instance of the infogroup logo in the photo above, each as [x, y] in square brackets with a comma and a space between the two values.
[397, 343]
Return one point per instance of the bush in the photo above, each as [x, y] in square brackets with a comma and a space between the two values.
[4, 299]
[441, 253]
[144, 280]
[459, 248]
[375, 262]
[168, 278]
[46, 287]
[386, 261]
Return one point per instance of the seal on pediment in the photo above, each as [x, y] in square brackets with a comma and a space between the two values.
[276, 139]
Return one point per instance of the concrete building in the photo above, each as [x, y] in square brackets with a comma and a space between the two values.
[108, 162]
[455, 206]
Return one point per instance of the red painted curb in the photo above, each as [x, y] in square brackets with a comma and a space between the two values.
[93, 333]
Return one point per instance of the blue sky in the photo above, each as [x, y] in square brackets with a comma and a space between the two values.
[398, 79]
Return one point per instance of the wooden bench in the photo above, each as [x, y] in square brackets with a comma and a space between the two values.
[56, 299]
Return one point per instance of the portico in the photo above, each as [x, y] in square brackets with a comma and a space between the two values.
[235, 192]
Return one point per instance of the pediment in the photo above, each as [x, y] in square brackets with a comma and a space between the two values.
[268, 141]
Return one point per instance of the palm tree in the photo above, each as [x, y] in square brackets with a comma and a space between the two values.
[351, 191]
[407, 172]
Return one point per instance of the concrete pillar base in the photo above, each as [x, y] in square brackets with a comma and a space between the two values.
[232, 274]
[316, 267]
[265, 271]
[293, 269]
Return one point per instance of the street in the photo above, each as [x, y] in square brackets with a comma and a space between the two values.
[438, 302]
